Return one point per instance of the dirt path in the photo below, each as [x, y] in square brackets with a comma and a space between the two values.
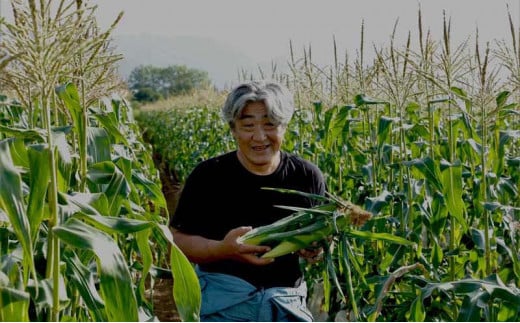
[163, 303]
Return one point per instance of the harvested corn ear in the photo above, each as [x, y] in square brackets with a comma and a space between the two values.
[306, 225]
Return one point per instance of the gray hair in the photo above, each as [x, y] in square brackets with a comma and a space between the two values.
[276, 97]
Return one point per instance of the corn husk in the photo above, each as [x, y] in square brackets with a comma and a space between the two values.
[306, 225]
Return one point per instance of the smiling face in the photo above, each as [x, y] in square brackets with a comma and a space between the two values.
[258, 139]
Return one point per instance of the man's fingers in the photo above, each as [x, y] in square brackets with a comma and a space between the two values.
[255, 260]
[240, 231]
[311, 255]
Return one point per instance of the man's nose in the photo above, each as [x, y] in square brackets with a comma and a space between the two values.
[259, 134]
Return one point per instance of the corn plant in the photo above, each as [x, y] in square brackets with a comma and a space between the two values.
[81, 206]
[183, 138]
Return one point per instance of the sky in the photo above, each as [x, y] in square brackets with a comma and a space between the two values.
[261, 30]
[264, 28]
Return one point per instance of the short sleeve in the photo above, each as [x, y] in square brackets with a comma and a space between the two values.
[190, 212]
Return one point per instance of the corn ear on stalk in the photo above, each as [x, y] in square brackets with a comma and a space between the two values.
[306, 225]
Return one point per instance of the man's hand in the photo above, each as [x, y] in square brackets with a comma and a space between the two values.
[231, 249]
[312, 254]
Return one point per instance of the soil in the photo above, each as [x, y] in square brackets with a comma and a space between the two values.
[163, 302]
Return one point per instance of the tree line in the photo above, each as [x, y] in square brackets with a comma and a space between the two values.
[150, 83]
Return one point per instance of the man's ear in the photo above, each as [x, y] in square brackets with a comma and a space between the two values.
[233, 130]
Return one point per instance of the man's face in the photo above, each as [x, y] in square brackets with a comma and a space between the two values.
[258, 139]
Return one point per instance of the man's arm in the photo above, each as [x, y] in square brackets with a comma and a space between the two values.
[202, 250]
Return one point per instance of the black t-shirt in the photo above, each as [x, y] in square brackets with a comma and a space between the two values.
[220, 195]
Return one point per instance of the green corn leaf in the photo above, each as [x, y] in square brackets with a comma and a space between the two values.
[430, 170]
[40, 178]
[504, 138]
[452, 191]
[417, 313]
[12, 202]
[327, 290]
[338, 123]
[146, 257]
[329, 263]
[497, 289]
[325, 209]
[42, 295]
[98, 144]
[101, 173]
[186, 287]
[111, 225]
[344, 266]
[109, 121]
[437, 255]
[92, 208]
[470, 311]
[124, 164]
[506, 313]
[117, 191]
[375, 204]
[64, 158]
[90, 203]
[384, 128]
[383, 236]
[115, 280]
[492, 285]
[289, 191]
[351, 257]
[439, 214]
[501, 98]
[151, 189]
[80, 275]
[23, 133]
[118, 188]
[19, 153]
[68, 93]
[14, 305]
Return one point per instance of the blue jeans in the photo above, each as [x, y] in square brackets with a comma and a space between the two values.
[227, 298]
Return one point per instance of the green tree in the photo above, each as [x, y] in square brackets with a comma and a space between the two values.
[147, 95]
[167, 81]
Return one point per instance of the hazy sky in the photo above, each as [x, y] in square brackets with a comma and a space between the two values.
[262, 29]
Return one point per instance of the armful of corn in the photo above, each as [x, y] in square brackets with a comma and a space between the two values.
[306, 225]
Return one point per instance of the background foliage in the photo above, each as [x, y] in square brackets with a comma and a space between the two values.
[150, 83]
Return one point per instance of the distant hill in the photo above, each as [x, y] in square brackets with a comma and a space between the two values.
[221, 61]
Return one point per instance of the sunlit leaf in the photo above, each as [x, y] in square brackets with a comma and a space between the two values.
[452, 191]
[12, 202]
[186, 287]
[115, 280]
[14, 305]
[40, 178]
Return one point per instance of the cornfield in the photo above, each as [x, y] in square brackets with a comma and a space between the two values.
[426, 138]
[423, 137]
